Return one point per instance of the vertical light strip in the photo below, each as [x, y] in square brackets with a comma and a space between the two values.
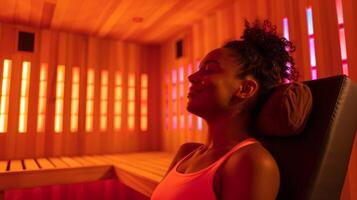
[286, 36]
[311, 36]
[167, 94]
[189, 72]
[131, 102]
[41, 112]
[117, 101]
[25, 82]
[199, 119]
[5, 92]
[59, 99]
[174, 99]
[75, 99]
[339, 10]
[181, 94]
[103, 100]
[144, 103]
[90, 100]
[341, 31]
[286, 28]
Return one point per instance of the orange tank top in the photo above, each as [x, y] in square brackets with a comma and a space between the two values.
[196, 185]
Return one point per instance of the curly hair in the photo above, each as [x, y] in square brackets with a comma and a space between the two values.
[264, 54]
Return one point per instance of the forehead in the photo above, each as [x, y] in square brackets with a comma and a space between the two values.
[223, 56]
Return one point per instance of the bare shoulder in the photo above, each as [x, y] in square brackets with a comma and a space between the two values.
[184, 149]
[250, 173]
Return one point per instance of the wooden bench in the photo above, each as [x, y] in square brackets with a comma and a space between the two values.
[140, 171]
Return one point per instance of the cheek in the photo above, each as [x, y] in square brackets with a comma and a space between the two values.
[218, 93]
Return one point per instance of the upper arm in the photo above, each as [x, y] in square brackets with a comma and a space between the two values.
[184, 149]
[250, 174]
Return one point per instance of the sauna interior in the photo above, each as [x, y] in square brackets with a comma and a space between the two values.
[93, 93]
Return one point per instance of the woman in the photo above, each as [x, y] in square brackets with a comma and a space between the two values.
[225, 93]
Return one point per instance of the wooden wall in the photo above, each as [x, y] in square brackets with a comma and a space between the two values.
[61, 48]
[226, 23]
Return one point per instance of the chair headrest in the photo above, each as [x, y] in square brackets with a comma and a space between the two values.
[285, 111]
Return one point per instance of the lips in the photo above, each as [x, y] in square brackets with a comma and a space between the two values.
[193, 91]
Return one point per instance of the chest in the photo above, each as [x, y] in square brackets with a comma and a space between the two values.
[197, 162]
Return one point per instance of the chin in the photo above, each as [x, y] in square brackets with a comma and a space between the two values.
[195, 109]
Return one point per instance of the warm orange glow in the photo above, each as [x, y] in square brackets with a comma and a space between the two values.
[103, 100]
[143, 104]
[25, 82]
[75, 99]
[41, 112]
[74, 123]
[131, 102]
[41, 123]
[89, 123]
[144, 123]
[117, 123]
[131, 80]
[103, 123]
[103, 108]
[117, 101]
[144, 109]
[131, 95]
[117, 108]
[117, 78]
[131, 123]
[144, 80]
[89, 107]
[90, 100]
[131, 108]
[59, 98]
[144, 94]
[5, 91]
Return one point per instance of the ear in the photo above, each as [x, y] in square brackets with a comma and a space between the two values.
[247, 89]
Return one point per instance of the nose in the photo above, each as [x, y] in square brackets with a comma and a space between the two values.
[194, 78]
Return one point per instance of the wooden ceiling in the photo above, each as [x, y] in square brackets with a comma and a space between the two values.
[145, 21]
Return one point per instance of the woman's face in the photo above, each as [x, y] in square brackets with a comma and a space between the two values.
[215, 86]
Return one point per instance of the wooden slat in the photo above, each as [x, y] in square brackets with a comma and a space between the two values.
[83, 161]
[35, 178]
[30, 164]
[16, 165]
[45, 163]
[139, 172]
[58, 163]
[159, 167]
[3, 165]
[133, 168]
[70, 162]
[95, 160]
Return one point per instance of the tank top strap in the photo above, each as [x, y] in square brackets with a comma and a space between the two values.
[234, 149]
[187, 156]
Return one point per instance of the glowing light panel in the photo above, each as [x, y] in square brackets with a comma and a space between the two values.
[59, 98]
[5, 92]
[41, 112]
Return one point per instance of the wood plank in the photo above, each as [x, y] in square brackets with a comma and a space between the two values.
[46, 177]
[30, 164]
[70, 162]
[83, 161]
[95, 160]
[141, 184]
[144, 163]
[58, 163]
[45, 163]
[16, 165]
[132, 167]
[3, 166]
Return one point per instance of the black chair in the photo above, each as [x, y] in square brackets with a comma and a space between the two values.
[313, 164]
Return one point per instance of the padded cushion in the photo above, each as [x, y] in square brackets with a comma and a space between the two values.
[286, 110]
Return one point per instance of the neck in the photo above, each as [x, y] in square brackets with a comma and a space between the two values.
[227, 131]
